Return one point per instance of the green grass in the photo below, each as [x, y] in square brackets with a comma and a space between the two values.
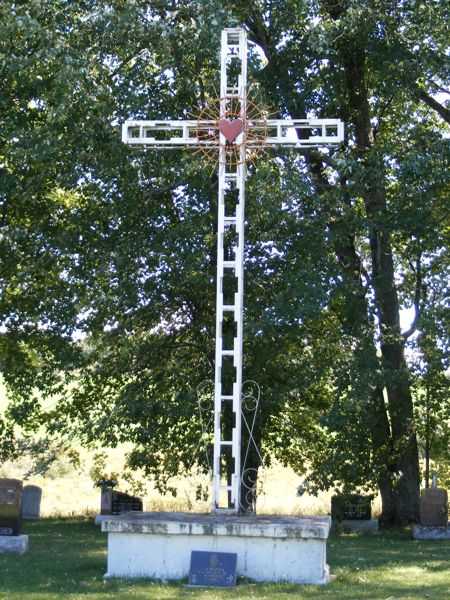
[67, 559]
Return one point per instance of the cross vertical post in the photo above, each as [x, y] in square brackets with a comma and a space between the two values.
[230, 283]
[231, 134]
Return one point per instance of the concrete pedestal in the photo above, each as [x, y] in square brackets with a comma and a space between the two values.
[268, 548]
[362, 526]
[431, 532]
[13, 544]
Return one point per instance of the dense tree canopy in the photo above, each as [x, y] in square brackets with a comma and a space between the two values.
[108, 255]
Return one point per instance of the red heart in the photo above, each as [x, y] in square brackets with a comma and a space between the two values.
[231, 129]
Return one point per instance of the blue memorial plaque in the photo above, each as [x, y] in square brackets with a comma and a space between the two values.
[213, 569]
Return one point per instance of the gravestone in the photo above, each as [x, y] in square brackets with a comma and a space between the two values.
[434, 523]
[11, 538]
[117, 503]
[106, 502]
[123, 503]
[351, 507]
[31, 502]
[433, 506]
[212, 569]
[353, 512]
[10, 507]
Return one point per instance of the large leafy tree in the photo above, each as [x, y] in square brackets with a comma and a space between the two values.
[119, 248]
[347, 56]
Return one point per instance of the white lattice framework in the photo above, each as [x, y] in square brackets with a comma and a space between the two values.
[291, 133]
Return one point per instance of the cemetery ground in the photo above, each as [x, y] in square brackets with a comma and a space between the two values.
[67, 559]
[68, 553]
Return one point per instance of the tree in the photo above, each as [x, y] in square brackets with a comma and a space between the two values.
[119, 248]
[352, 48]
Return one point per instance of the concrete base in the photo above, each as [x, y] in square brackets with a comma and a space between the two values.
[13, 544]
[431, 532]
[362, 526]
[100, 518]
[268, 548]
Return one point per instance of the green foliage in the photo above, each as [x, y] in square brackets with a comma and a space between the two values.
[7, 440]
[41, 455]
[98, 472]
[432, 389]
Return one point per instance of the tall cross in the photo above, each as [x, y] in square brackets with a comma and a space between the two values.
[235, 131]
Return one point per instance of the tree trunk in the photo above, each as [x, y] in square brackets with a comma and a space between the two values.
[355, 321]
[406, 478]
[393, 435]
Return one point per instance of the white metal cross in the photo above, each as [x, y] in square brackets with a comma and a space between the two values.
[230, 135]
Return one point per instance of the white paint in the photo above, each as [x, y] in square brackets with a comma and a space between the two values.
[291, 549]
[183, 134]
[226, 493]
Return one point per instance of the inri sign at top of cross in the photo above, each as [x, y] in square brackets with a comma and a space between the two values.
[232, 134]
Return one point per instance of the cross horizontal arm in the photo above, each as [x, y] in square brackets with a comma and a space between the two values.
[165, 134]
[304, 133]
[288, 133]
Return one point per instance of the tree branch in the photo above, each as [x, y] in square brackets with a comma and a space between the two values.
[435, 105]
[257, 26]
[317, 156]
[439, 88]
[159, 191]
[380, 116]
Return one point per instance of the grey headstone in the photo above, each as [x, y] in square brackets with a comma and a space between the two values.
[433, 506]
[106, 502]
[31, 502]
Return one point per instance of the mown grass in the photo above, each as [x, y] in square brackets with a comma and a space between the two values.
[67, 559]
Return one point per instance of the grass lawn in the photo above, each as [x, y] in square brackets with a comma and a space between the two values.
[67, 559]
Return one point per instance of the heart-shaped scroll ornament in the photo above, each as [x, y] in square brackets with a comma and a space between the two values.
[231, 129]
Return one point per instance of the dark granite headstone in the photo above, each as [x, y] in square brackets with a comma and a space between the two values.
[117, 503]
[351, 507]
[433, 506]
[213, 569]
[10, 507]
